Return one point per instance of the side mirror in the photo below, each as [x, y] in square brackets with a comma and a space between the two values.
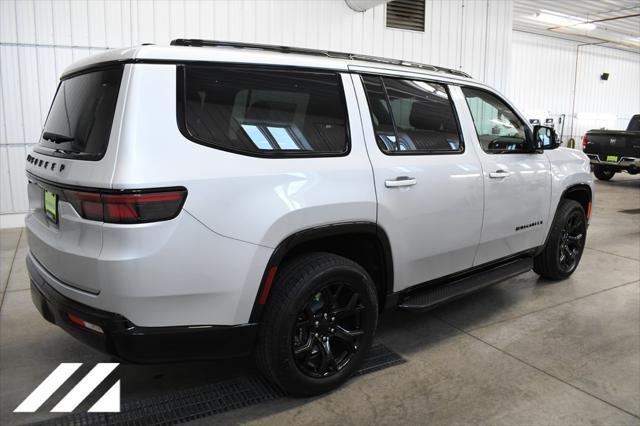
[545, 137]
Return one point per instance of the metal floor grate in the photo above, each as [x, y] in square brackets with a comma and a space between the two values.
[203, 401]
[379, 358]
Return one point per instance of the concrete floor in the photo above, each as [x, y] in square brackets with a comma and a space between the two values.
[524, 352]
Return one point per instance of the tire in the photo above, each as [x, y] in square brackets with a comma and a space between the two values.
[565, 243]
[603, 174]
[295, 319]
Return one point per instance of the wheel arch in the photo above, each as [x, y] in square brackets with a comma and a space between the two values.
[580, 193]
[365, 243]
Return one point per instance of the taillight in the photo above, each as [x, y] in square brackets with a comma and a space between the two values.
[127, 207]
[87, 204]
[584, 142]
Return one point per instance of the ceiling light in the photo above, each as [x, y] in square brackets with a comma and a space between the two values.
[588, 26]
[562, 20]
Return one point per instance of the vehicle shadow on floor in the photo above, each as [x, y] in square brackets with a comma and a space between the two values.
[402, 332]
[627, 182]
[406, 333]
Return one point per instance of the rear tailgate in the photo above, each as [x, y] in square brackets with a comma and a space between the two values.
[613, 145]
[77, 149]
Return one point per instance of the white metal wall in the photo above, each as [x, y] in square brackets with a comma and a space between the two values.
[38, 39]
[546, 72]
[608, 103]
[542, 76]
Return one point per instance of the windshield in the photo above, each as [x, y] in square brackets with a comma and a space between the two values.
[79, 122]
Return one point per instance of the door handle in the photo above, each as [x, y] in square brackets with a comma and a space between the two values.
[498, 174]
[400, 181]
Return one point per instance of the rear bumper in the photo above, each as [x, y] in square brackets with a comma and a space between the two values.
[129, 342]
[624, 163]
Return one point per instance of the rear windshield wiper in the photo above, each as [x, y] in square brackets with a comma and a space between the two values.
[56, 138]
[68, 151]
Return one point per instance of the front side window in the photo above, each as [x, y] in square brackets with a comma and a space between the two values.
[499, 129]
[412, 116]
[265, 112]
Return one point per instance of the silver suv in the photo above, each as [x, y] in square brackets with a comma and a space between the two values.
[211, 199]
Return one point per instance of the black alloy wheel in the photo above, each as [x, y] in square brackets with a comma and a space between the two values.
[565, 243]
[571, 241]
[318, 323]
[328, 331]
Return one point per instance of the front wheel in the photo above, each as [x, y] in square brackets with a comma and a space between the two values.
[602, 173]
[565, 244]
[318, 324]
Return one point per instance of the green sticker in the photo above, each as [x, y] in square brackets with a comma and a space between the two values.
[612, 158]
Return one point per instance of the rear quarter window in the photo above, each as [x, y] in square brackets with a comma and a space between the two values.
[263, 112]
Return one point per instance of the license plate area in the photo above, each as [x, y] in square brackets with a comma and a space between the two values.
[51, 206]
[612, 158]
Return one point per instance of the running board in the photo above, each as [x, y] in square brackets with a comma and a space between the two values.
[439, 293]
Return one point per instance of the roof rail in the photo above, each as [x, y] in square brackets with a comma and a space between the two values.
[315, 52]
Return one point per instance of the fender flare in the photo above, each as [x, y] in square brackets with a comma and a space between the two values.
[577, 186]
[316, 233]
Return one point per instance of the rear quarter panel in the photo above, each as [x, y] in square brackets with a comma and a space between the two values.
[256, 200]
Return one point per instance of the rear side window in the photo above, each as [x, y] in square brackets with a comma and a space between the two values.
[265, 112]
[81, 115]
[412, 117]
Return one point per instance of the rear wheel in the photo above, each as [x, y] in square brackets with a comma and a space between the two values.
[603, 173]
[563, 251]
[318, 324]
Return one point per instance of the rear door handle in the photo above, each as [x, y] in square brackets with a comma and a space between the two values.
[498, 174]
[400, 181]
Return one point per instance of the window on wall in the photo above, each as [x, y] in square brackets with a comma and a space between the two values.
[265, 112]
[499, 129]
[406, 14]
[412, 116]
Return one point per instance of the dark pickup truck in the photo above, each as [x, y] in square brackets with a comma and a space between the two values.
[613, 151]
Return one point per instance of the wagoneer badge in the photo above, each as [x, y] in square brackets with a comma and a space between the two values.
[612, 141]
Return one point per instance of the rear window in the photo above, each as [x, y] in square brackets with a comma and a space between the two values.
[81, 115]
[264, 112]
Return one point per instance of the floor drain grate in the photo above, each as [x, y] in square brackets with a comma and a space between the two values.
[203, 401]
[379, 358]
